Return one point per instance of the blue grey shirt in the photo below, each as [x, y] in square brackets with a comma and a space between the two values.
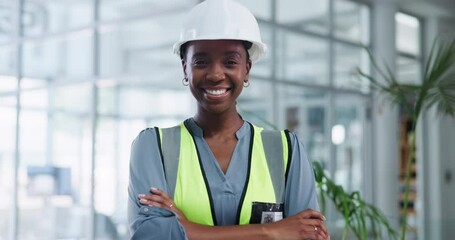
[146, 171]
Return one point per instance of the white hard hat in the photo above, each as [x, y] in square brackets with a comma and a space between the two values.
[222, 19]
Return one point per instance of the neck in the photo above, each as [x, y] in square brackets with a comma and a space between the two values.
[213, 124]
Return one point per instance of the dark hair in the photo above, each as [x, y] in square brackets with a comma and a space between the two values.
[246, 44]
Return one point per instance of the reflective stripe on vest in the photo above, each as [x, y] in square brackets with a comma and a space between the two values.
[268, 163]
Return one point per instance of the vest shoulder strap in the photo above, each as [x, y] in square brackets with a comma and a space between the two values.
[170, 151]
[278, 152]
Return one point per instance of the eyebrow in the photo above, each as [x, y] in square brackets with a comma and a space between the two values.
[233, 53]
[199, 54]
[226, 54]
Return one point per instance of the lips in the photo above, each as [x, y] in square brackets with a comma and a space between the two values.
[216, 92]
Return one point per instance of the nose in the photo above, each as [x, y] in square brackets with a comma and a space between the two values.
[215, 72]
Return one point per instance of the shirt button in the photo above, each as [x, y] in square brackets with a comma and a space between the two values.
[146, 209]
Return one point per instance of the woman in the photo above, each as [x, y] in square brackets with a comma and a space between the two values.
[215, 175]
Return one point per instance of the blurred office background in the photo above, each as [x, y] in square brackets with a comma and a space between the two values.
[80, 78]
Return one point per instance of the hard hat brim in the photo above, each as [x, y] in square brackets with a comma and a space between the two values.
[256, 52]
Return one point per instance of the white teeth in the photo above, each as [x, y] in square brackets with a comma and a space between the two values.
[216, 92]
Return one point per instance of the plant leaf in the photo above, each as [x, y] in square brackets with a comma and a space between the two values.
[441, 62]
[356, 212]
[441, 79]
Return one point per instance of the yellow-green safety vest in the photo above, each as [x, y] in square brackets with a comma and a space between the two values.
[268, 165]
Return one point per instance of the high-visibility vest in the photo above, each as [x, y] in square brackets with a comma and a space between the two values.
[268, 166]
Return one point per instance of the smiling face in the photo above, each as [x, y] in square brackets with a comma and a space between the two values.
[216, 70]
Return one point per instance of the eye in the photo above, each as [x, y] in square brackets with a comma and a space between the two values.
[231, 62]
[199, 62]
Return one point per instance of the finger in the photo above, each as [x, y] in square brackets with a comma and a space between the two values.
[156, 200]
[316, 234]
[160, 199]
[316, 226]
[325, 236]
[166, 199]
[150, 197]
[146, 199]
[154, 191]
[310, 235]
[310, 213]
[323, 228]
[312, 222]
[161, 193]
[158, 191]
[319, 231]
[311, 228]
[154, 197]
[322, 233]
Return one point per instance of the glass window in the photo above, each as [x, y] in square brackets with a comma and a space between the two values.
[67, 58]
[145, 101]
[42, 17]
[304, 14]
[36, 99]
[7, 159]
[141, 47]
[111, 175]
[33, 129]
[303, 58]
[55, 152]
[7, 24]
[347, 60]
[347, 137]
[351, 21]
[305, 111]
[409, 70]
[74, 97]
[125, 110]
[409, 63]
[8, 82]
[263, 67]
[260, 11]
[407, 34]
[125, 9]
[255, 104]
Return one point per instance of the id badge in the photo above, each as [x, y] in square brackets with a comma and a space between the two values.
[262, 212]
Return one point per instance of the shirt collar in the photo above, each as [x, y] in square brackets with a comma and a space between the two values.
[197, 131]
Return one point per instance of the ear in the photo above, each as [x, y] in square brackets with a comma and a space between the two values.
[184, 67]
[249, 64]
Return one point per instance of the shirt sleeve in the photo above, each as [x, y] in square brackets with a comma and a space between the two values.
[300, 191]
[146, 171]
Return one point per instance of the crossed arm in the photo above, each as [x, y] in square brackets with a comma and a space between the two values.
[307, 224]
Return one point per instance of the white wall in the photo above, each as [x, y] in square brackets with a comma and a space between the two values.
[447, 158]
[385, 152]
[438, 153]
[446, 150]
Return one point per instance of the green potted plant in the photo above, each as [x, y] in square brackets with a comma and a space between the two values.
[436, 88]
[364, 220]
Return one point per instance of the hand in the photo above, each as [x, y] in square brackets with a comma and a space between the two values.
[159, 198]
[308, 224]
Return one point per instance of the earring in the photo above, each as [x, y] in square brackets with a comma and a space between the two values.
[185, 81]
[246, 83]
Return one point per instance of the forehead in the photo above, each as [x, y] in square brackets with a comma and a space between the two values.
[216, 46]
